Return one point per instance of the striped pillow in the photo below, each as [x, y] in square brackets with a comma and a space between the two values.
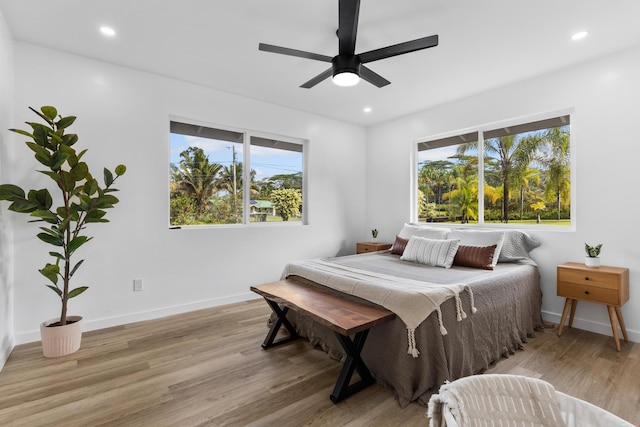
[437, 253]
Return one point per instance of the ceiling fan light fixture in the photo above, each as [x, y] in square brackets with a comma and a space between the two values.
[346, 70]
[346, 78]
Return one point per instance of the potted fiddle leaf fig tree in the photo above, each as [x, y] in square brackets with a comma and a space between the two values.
[81, 200]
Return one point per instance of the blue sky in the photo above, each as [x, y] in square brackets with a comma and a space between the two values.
[265, 161]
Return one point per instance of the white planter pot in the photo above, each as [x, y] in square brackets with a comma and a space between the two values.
[61, 340]
[593, 262]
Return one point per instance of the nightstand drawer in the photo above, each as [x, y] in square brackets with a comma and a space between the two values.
[589, 293]
[365, 247]
[590, 278]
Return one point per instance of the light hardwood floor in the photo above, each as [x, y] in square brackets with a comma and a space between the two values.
[207, 368]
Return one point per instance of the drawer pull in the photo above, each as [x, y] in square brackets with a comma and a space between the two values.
[586, 292]
[586, 278]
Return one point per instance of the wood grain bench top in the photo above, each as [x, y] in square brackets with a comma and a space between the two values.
[341, 315]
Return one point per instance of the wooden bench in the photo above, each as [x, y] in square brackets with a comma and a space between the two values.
[344, 317]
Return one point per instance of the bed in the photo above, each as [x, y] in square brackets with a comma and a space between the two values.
[491, 315]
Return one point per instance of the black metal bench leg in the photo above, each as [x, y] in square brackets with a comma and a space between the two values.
[270, 340]
[353, 362]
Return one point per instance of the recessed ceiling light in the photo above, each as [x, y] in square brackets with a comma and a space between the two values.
[367, 109]
[108, 31]
[579, 35]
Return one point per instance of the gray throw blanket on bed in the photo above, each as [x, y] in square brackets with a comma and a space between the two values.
[411, 300]
[496, 400]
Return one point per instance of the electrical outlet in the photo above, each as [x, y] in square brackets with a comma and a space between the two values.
[137, 285]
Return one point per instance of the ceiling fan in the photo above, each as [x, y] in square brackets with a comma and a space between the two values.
[347, 68]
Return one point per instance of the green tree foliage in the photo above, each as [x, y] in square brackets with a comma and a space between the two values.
[287, 202]
[195, 177]
[276, 182]
[519, 170]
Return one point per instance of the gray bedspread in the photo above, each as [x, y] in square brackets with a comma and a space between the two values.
[508, 300]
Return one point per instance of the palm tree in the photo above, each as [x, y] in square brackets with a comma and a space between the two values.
[522, 178]
[196, 177]
[464, 197]
[558, 185]
[509, 152]
[434, 177]
[233, 186]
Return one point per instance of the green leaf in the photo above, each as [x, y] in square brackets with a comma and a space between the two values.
[41, 136]
[49, 112]
[40, 114]
[51, 272]
[70, 139]
[77, 291]
[68, 182]
[96, 216]
[91, 187]
[80, 171]
[41, 197]
[108, 177]
[53, 175]
[42, 154]
[85, 202]
[57, 160]
[57, 255]
[45, 215]
[10, 192]
[23, 206]
[54, 231]
[22, 132]
[75, 267]
[76, 243]
[56, 137]
[65, 122]
[52, 240]
[120, 170]
[55, 289]
[104, 202]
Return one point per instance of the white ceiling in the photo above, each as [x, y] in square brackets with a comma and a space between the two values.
[214, 43]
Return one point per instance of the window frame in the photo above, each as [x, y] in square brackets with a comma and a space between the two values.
[481, 130]
[247, 134]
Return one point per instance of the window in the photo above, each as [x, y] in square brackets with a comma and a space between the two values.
[519, 174]
[220, 176]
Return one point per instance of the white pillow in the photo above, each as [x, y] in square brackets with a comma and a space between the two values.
[480, 238]
[409, 230]
[434, 252]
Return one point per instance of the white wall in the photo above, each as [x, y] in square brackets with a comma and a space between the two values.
[606, 98]
[123, 117]
[6, 235]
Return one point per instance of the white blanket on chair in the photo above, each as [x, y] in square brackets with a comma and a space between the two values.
[496, 400]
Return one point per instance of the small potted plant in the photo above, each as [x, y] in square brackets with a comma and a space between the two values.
[82, 200]
[374, 235]
[592, 260]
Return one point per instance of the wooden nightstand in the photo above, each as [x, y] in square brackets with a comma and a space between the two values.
[364, 247]
[602, 285]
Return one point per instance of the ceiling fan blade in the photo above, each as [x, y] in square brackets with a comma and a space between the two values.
[293, 52]
[348, 11]
[317, 79]
[399, 49]
[372, 77]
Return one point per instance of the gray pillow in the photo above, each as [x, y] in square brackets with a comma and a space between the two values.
[516, 246]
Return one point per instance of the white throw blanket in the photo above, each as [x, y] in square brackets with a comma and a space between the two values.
[411, 300]
[495, 400]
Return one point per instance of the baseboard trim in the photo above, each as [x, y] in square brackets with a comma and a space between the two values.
[591, 326]
[93, 324]
[5, 351]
